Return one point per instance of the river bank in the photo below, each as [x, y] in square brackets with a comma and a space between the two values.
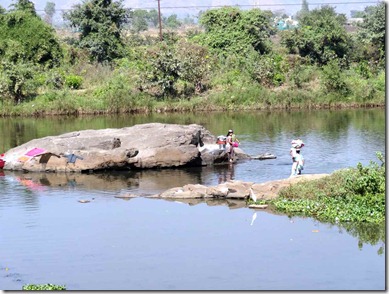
[85, 102]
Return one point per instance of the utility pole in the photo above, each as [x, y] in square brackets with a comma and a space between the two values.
[160, 22]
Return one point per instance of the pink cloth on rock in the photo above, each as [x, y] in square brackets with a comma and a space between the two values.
[35, 151]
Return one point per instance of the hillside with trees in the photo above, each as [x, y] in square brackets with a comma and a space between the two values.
[112, 59]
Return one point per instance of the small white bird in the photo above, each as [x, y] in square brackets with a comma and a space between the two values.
[253, 218]
[252, 195]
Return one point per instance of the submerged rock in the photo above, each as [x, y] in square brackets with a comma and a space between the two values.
[236, 189]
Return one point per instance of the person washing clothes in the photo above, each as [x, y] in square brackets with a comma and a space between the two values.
[235, 141]
[230, 146]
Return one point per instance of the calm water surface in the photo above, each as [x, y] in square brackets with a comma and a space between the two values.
[47, 236]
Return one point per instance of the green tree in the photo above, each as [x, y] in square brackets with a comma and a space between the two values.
[27, 46]
[195, 65]
[168, 65]
[138, 20]
[188, 20]
[153, 17]
[172, 22]
[49, 12]
[321, 36]
[100, 23]
[373, 28]
[230, 29]
[24, 5]
[161, 72]
[304, 9]
[333, 78]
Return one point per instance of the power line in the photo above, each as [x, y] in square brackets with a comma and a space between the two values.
[243, 5]
[259, 5]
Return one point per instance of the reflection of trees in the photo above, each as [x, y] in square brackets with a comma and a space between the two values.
[367, 233]
[331, 123]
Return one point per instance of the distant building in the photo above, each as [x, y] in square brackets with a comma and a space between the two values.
[286, 23]
[351, 24]
[354, 20]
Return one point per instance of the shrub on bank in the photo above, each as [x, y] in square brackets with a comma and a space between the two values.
[348, 195]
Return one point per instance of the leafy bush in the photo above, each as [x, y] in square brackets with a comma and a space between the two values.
[195, 64]
[321, 36]
[349, 195]
[333, 78]
[26, 37]
[16, 80]
[73, 81]
[270, 70]
[302, 74]
[43, 287]
[27, 46]
[231, 30]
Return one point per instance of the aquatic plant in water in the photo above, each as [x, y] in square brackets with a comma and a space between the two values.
[40, 287]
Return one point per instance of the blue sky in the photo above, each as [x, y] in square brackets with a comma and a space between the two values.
[192, 7]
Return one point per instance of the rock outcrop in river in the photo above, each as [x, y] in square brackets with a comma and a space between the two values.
[145, 146]
[234, 189]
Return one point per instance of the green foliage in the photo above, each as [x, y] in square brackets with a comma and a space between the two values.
[16, 81]
[27, 46]
[231, 30]
[162, 71]
[73, 81]
[100, 23]
[165, 65]
[302, 74]
[43, 287]
[333, 78]
[138, 20]
[350, 195]
[26, 38]
[53, 79]
[116, 94]
[373, 28]
[195, 65]
[321, 36]
[172, 22]
[379, 82]
[270, 70]
[24, 5]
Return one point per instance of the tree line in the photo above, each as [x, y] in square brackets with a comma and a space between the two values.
[230, 53]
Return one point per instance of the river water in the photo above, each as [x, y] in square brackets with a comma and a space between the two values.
[48, 236]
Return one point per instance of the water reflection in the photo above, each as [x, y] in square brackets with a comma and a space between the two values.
[113, 243]
[372, 234]
[225, 172]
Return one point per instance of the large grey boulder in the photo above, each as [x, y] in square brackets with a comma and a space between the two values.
[153, 145]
